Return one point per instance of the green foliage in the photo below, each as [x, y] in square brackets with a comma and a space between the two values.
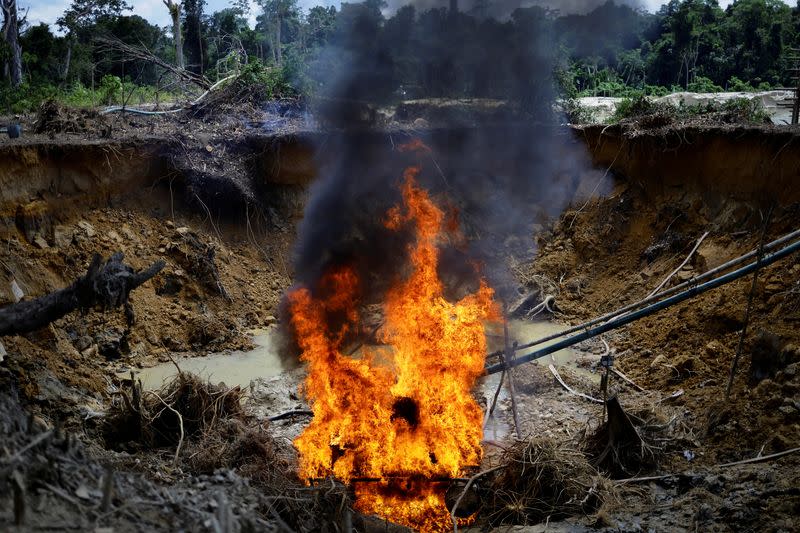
[746, 110]
[271, 82]
[704, 85]
[110, 90]
[735, 84]
[656, 90]
[613, 50]
[29, 97]
[25, 98]
[637, 106]
[735, 111]
[577, 113]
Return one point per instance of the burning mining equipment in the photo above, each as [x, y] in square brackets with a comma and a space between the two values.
[401, 437]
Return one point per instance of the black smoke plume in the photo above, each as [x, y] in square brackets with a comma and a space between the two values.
[504, 163]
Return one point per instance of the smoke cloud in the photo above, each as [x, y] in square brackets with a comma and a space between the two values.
[502, 170]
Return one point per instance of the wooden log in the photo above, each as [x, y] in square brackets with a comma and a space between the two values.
[107, 285]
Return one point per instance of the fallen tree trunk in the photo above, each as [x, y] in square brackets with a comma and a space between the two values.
[107, 285]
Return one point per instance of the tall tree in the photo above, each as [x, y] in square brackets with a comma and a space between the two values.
[195, 42]
[174, 7]
[320, 21]
[11, 37]
[755, 32]
[81, 15]
[277, 12]
[41, 53]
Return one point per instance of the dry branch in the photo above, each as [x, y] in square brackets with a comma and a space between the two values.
[107, 285]
[464, 492]
[626, 379]
[141, 53]
[570, 389]
[291, 414]
[762, 459]
[688, 257]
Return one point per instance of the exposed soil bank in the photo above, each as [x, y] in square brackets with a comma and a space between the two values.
[758, 165]
[82, 174]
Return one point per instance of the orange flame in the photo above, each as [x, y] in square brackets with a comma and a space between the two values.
[412, 418]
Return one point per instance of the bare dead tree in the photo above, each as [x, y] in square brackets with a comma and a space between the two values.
[141, 53]
[174, 8]
[11, 37]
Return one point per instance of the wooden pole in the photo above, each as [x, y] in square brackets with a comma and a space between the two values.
[740, 346]
[508, 357]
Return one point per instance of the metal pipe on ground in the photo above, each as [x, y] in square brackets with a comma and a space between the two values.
[650, 309]
[702, 277]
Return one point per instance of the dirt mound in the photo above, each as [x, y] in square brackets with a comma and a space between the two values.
[54, 118]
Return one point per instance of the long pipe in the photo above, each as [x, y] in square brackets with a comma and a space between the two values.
[650, 309]
[706, 275]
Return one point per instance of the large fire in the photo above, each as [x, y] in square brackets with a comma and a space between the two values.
[408, 418]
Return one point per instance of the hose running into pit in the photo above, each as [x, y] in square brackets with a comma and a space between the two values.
[656, 297]
[664, 303]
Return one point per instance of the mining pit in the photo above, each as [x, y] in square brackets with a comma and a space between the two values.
[205, 441]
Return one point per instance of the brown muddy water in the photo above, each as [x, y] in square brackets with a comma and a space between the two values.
[234, 368]
[241, 367]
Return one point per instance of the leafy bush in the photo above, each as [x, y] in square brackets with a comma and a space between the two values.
[737, 85]
[78, 96]
[273, 81]
[576, 112]
[110, 90]
[704, 85]
[29, 96]
[638, 106]
[749, 110]
[656, 90]
[735, 111]
[25, 98]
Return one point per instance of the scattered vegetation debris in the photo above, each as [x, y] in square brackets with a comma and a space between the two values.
[641, 112]
[54, 118]
[544, 479]
[185, 407]
[211, 433]
[254, 87]
[50, 479]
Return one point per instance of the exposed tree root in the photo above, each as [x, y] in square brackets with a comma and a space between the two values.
[542, 479]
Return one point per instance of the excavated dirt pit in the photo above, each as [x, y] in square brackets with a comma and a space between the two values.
[61, 202]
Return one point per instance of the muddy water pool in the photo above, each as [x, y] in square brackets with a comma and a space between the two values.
[240, 367]
[232, 368]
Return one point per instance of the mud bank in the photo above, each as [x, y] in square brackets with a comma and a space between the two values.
[758, 165]
[80, 174]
